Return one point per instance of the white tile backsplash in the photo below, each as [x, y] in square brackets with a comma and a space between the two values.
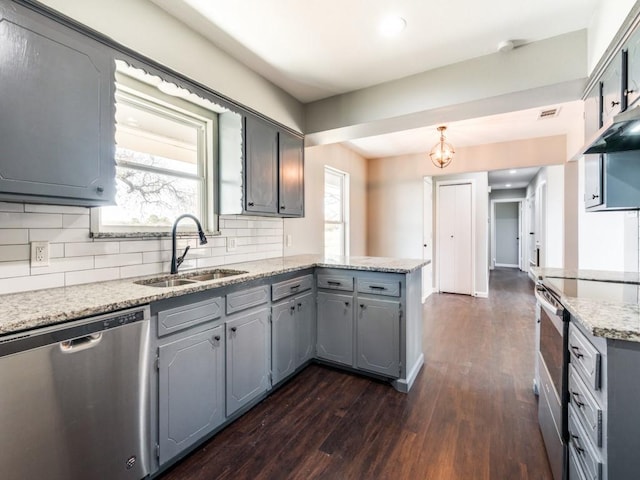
[76, 258]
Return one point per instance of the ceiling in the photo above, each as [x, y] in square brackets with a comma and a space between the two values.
[513, 178]
[315, 49]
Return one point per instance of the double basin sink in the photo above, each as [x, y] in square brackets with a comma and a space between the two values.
[189, 279]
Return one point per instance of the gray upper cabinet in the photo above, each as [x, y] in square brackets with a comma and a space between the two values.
[291, 170]
[248, 357]
[191, 380]
[378, 336]
[261, 154]
[592, 163]
[57, 122]
[632, 48]
[612, 89]
[335, 328]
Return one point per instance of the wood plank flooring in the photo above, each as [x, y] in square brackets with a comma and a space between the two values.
[470, 415]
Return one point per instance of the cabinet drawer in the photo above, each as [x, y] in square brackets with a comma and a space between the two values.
[179, 318]
[586, 406]
[335, 282]
[243, 299]
[586, 454]
[390, 288]
[584, 357]
[291, 287]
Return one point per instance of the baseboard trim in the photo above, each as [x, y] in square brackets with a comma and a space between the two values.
[482, 294]
[403, 385]
[508, 265]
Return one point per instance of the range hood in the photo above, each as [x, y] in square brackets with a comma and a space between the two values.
[621, 134]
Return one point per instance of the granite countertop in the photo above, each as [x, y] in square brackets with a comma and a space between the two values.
[38, 308]
[612, 320]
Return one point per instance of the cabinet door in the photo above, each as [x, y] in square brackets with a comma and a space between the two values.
[306, 333]
[248, 341]
[283, 340]
[612, 89]
[191, 390]
[378, 336]
[291, 169]
[593, 194]
[633, 68]
[261, 162]
[335, 328]
[58, 109]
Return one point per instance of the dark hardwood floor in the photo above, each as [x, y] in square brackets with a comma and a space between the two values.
[470, 415]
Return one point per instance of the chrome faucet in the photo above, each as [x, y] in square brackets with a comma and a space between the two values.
[176, 262]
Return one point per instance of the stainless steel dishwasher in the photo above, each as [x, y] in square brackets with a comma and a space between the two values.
[74, 400]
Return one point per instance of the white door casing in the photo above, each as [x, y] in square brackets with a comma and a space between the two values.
[427, 238]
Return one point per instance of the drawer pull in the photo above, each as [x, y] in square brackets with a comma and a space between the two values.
[576, 397]
[234, 329]
[331, 282]
[346, 304]
[295, 287]
[576, 443]
[576, 351]
[377, 287]
[292, 308]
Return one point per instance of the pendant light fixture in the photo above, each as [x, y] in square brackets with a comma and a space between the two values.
[442, 152]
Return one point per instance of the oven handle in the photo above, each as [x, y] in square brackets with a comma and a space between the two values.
[546, 305]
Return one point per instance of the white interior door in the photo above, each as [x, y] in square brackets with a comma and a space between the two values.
[427, 236]
[455, 238]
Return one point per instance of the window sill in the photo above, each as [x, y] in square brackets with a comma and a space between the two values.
[143, 235]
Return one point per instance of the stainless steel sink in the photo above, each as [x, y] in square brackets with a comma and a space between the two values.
[215, 274]
[172, 282]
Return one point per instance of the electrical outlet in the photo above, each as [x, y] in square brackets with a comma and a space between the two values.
[231, 244]
[39, 254]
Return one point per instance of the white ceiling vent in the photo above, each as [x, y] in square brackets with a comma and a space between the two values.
[549, 113]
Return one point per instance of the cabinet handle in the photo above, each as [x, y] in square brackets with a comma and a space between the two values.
[362, 305]
[346, 304]
[377, 287]
[100, 190]
[234, 329]
[614, 103]
[575, 439]
[576, 397]
[627, 92]
[292, 308]
[217, 338]
[251, 204]
[299, 306]
[295, 287]
[576, 351]
[282, 207]
[330, 282]
[594, 196]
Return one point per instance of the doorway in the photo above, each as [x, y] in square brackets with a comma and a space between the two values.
[455, 234]
[507, 233]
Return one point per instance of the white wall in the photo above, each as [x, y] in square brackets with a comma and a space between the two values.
[76, 258]
[307, 234]
[146, 28]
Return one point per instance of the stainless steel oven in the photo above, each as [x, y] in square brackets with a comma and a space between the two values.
[551, 357]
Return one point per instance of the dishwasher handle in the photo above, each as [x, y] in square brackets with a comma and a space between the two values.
[81, 343]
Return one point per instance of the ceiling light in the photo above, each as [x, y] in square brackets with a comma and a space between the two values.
[505, 46]
[508, 185]
[512, 172]
[392, 26]
[442, 152]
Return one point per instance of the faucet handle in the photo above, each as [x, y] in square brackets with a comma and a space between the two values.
[180, 259]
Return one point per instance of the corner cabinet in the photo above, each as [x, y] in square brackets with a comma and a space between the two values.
[261, 168]
[58, 112]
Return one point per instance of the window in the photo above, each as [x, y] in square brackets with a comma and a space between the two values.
[164, 160]
[336, 208]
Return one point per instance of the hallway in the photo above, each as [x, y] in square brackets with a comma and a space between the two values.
[470, 415]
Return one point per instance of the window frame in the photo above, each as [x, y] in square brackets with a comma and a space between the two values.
[345, 209]
[151, 99]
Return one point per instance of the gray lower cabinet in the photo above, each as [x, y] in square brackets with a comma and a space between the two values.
[248, 357]
[58, 111]
[191, 379]
[335, 328]
[292, 335]
[378, 336]
[283, 340]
